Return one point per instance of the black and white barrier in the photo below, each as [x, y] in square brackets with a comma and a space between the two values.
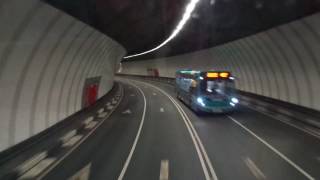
[33, 158]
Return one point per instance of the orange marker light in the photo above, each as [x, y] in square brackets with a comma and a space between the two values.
[212, 75]
[224, 74]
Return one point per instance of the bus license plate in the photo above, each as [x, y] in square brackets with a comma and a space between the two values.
[217, 110]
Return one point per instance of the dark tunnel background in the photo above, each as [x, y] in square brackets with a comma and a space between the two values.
[214, 22]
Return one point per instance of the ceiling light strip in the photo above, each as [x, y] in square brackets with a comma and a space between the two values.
[186, 16]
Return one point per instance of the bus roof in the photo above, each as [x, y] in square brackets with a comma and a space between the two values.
[206, 74]
[188, 71]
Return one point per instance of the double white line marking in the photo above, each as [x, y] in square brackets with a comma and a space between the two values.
[202, 154]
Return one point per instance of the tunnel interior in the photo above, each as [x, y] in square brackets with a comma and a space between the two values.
[171, 89]
[141, 25]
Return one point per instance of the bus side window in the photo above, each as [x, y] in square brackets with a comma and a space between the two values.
[193, 83]
[193, 86]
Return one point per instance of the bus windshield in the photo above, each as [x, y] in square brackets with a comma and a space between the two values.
[219, 87]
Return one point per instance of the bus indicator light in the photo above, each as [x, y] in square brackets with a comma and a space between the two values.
[218, 74]
[212, 75]
[224, 74]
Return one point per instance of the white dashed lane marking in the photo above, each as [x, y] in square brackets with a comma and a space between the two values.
[154, 94]
[161, 109]
[294, 165]
[126, 164]
[128, 111]
[83, 174]
[164, 170]
[254, 169]
[206, 164]
[285, 119]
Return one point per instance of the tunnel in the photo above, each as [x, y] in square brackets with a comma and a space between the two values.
[159, 90]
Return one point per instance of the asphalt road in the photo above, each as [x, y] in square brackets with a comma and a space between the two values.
[152, 136]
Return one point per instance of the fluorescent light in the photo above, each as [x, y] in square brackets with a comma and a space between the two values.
[120, 68]
[186, 16]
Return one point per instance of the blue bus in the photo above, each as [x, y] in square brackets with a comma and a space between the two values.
[207, 91]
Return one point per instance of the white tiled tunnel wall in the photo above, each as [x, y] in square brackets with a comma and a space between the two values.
[45, 57]
[282, 63]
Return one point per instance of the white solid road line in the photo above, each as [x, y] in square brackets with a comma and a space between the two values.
[254, 169]
[58, 161]
[193, 132]
[308, 176]
[164, 170]
[201, 146]
[202, 154]
[124, 169]
[200, 143]
[287, 122]
[313, 130]
[161, 109]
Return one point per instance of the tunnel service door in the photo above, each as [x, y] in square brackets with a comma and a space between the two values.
[90, 91]
[153, 72]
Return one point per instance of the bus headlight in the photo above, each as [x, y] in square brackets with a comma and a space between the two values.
[200, 101]
[234, 100]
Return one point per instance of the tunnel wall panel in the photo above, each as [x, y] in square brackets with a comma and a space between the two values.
[282, 63]
[45, 58]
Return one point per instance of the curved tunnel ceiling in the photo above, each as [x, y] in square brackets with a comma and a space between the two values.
[141, 25]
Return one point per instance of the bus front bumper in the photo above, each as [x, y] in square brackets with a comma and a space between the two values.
[209, 109]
